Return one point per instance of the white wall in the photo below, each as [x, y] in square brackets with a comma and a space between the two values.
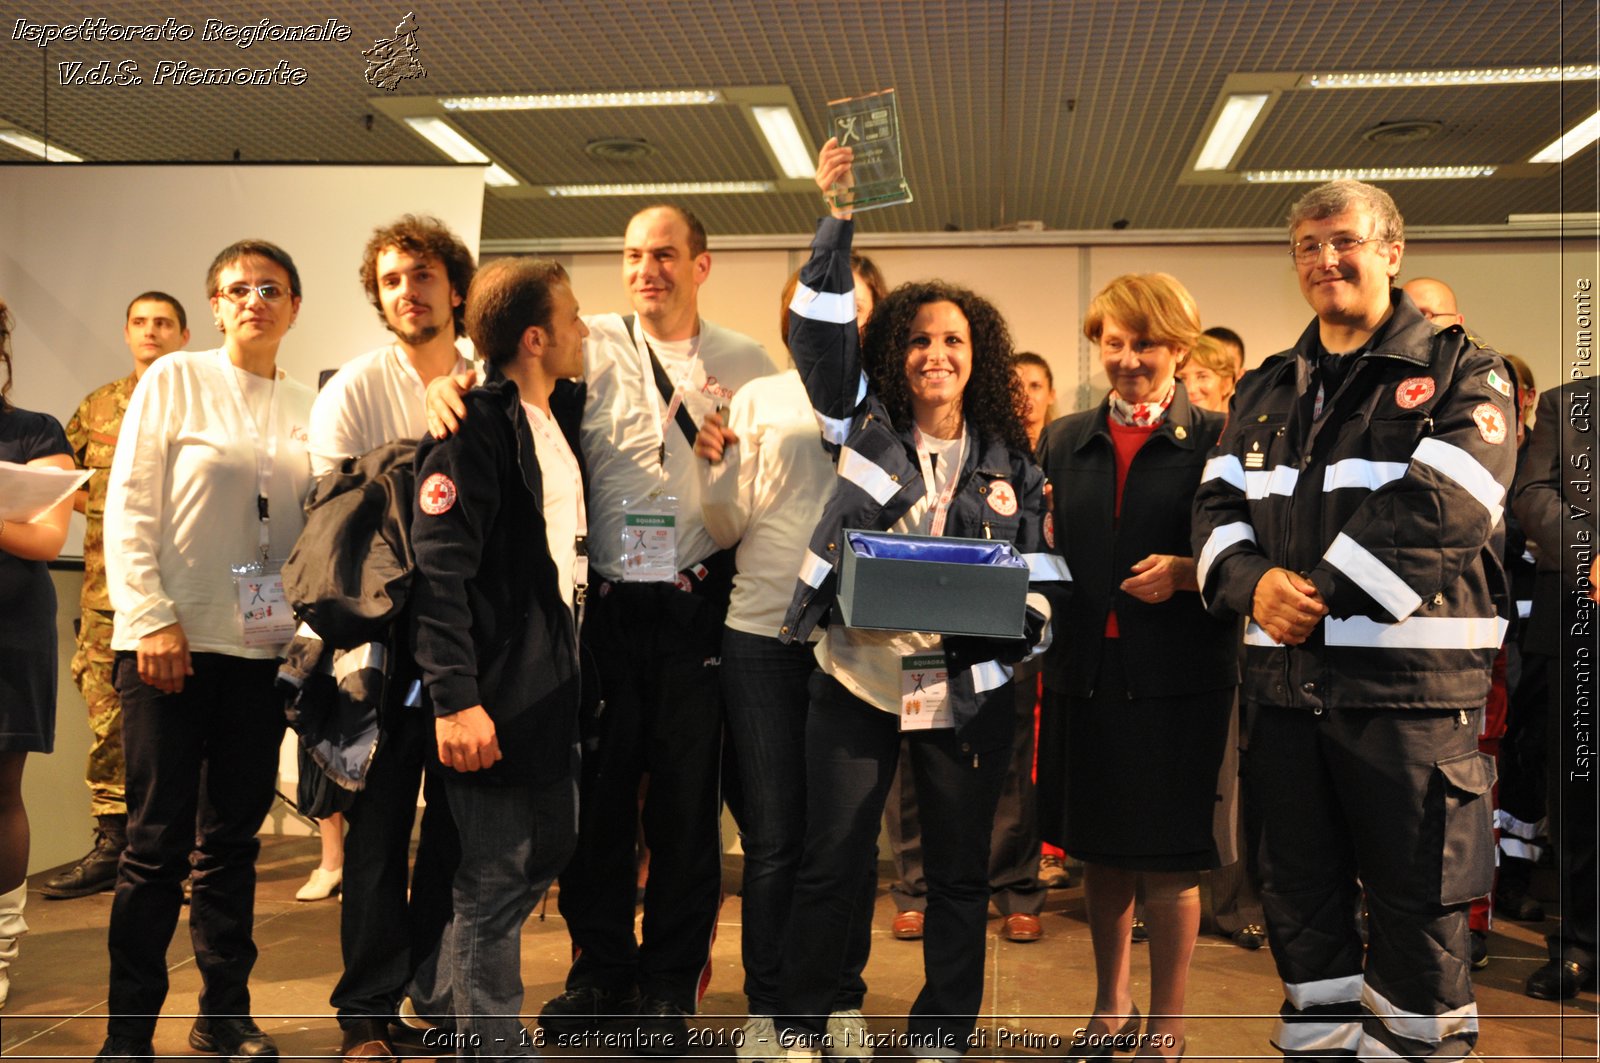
[81, 241]
[1516, 294]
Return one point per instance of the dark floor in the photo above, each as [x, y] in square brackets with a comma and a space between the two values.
[1036, 993]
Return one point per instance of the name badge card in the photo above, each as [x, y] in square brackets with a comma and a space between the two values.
[265, 618]
[650, 539]
[924, 692]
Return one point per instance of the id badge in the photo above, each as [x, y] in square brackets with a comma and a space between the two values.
[650, 539]
[924, 692]
[266, 621]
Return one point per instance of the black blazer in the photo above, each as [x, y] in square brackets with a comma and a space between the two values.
[1554, 500]
[1169, 648]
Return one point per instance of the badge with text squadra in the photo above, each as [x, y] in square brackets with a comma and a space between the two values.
[650, 539]
[924, 692]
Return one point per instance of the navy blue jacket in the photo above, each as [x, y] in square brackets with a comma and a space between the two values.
[880, 480]
[491, 626]
[1391, 502]
[1169, 648]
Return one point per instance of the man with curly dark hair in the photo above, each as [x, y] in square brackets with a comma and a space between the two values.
[416, 272]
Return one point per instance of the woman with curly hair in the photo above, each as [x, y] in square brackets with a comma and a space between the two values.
[924, 415]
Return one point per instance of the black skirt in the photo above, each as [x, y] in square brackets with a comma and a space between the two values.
[1134, 782]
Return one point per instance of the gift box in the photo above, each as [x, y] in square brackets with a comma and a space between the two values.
[937, 584]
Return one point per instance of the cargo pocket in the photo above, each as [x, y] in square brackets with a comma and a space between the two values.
[1467, 870]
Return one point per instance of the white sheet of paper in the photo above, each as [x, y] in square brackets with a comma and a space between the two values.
[26, 491]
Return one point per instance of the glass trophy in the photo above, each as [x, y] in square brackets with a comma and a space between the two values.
[871, 125]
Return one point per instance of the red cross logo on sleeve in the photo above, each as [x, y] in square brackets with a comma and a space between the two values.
[1413, 392]
[437, 494]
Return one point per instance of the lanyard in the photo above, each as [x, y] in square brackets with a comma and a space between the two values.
[641, 344]
[266, 456]
[941, 503]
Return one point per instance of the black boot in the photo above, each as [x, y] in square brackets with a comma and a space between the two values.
[97, 871]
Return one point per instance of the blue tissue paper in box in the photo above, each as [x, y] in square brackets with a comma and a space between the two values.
[939, 584]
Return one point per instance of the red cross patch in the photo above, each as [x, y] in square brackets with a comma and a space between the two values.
[1491, 423]
[1002, 498]
[437, 494]
[1413, 392]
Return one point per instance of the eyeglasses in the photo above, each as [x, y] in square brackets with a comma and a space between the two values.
[239, 294]
[1309, 251]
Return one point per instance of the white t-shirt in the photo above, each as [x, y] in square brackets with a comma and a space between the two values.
[767, 494]
[181, 498]
[564, 518]
[867, 662]
[375, 398]
[623, 421]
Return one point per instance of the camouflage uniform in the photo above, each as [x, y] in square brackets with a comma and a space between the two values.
[93, 434]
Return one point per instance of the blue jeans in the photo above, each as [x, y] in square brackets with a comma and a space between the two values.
[766, 695]
[514, 841]
[851, 752]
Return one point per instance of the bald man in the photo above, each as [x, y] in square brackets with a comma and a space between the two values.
[1436, 300]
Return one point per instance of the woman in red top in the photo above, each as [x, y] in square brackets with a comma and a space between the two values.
[1139, 684]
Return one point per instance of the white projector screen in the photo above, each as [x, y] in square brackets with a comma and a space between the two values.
[82, 240]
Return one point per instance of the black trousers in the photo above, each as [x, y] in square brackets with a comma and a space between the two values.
[1573, 814]
[657, 650]
[1395, 803]
[201, 768]
[1014, 844]
[851, 752]
[389, 933]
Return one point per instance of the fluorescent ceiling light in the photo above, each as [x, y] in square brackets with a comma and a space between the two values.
[1374, 173]
[678, 188]
[566, 101]
[444, 136]
[499, 177]
[783, 134]
[34, 146]
[1504, 75]
[1238, 115]
[1572, 141]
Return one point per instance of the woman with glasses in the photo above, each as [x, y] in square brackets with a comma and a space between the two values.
[27, 643]
[204, 502]
[1139, 683]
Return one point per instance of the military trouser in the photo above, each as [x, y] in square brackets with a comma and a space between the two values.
[91, 671]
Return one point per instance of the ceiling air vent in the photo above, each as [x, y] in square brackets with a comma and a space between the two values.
[1407, 131]
[620, 149]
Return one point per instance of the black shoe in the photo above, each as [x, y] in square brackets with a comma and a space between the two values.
[1518, 906]
[586, 1007]
[1088, 1047]
[238, 1039]
[97, 871]
[125, 1050]
[1559, 980]
[1480, 949]
[663, 1028]
[1141, 933]
[1250, 937]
